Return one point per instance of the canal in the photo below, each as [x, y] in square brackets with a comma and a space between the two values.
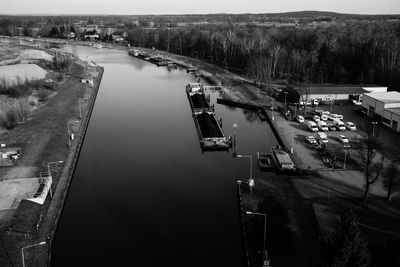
[144, 193]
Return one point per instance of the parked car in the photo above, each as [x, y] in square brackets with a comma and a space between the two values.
[322, 137]
[324, 117]
[332, 127]
[340, 116]
[333, 116]
[322, 126]
[310, 139]
[339, 125]
[312, 126]
[351, 126]
[300, 118]
[316, 118]
[343, 139]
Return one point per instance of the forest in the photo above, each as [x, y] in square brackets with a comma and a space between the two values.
[353, 53]
[297, 47]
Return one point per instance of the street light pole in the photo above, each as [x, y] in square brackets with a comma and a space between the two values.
[265, 228]
[48, 165]
[272, 110]
[373, 128]
[251, 163]
[69, 136]
[285, 98]
[345, 157]
[251, 180]
[80, 107]
[292, 148]
[30, 246]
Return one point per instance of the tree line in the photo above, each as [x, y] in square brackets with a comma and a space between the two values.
[355, 52]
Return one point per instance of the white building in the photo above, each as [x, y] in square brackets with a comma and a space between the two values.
[337, 93]
[384, 107]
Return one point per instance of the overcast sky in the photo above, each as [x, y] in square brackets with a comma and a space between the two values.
[139, 7]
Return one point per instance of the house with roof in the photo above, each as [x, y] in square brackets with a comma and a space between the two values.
[383, 107]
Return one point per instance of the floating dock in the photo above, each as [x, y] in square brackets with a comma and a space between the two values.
[208, 127]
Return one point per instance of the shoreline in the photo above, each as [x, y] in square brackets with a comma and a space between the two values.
[52, 211]
[64, 184]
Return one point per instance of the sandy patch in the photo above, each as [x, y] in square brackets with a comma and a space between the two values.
[13, 74]
[34, 54]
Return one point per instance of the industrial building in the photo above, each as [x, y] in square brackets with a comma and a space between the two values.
[383, 107]
[325, 94]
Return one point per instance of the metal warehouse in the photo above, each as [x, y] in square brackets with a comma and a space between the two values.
[336, 93]
[383, 107]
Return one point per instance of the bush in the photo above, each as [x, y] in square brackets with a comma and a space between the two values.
[8, 119]
[14, 111]
[20, 88]
[62, 62]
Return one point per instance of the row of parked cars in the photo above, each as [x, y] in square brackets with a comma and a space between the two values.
[320, 124]
[323, 138]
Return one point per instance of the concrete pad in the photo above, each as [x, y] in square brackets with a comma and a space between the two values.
[17, 172]
[13, 191]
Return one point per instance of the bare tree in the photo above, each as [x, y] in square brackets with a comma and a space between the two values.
[391, 179]
[365, 148]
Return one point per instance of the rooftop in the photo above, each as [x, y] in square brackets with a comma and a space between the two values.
[332, 89]
[394, 110]
[386, 97]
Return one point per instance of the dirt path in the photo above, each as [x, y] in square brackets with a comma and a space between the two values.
[47, 125]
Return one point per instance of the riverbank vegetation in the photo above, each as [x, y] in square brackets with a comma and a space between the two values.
[357, 52]
[310, 46]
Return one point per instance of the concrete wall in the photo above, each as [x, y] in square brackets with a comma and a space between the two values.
[368, 102]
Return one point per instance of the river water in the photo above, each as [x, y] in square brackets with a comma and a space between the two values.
[144, 193]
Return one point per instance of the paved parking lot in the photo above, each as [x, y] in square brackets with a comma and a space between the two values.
[306, 156]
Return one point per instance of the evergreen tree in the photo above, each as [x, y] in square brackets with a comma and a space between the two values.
[54, 32]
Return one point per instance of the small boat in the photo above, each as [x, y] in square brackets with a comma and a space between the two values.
[265, 161]
[282, 159]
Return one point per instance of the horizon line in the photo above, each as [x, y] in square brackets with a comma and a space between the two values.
[183, 14]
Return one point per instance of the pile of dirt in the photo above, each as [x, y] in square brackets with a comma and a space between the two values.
[19, 73]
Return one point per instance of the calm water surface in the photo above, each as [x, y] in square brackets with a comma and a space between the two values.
[143, 193]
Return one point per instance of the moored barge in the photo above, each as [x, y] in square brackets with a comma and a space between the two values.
[208, 127]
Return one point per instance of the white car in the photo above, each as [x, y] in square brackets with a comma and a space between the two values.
[316, 118]
[300, 118]
[333, 116]
[351, 126]
[311, 139]
[343, 139]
